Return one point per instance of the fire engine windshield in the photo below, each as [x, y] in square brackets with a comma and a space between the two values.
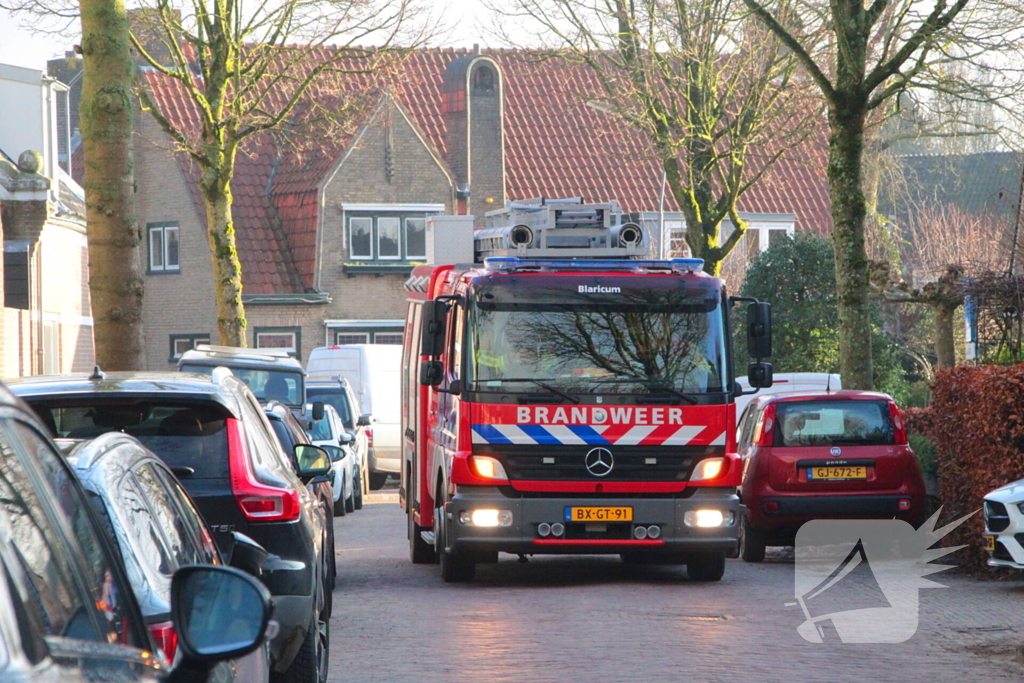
[618, 341]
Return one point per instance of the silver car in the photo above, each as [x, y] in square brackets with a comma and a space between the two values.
[330, 433]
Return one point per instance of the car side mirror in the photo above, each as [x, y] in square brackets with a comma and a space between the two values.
[346, 438]
[246, 554]
[313, 461]
[219, 613]
[365, 420]
[431, 373]
[759, 375]
[336, 452]
[318, 411]
[759, 330]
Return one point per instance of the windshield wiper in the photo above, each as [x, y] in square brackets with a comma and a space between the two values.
[654, 385]
[540, 383]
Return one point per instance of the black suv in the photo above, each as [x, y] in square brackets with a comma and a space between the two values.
[67, 611]
[212, 433]
[290, 434]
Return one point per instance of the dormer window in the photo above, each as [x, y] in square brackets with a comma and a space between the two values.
[483, 80]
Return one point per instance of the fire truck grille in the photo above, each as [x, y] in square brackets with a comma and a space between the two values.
[568, 463]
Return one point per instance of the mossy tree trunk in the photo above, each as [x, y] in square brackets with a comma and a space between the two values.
[116, 282]
[849, 208]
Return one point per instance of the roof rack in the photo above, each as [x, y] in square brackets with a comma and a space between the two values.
[238, 352]
[513, 264]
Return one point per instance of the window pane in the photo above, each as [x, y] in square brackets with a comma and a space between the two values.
[387, 338]
[388, 236]
[171, 253]
[275, 340]
[181, 346]
[172, 524]
[827, 423]
[360, 230]
[41, 560]
[352, 338]
[775, 234]
[415, 238]
[156, 248]
[103, 582]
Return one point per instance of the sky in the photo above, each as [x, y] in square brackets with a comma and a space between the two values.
[21, 47]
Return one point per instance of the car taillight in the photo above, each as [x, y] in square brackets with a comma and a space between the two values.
[166, 638]
[899, 430]
[369, 437]
[258, 501]
[767, 437]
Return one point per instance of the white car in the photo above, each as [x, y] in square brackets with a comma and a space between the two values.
[1004, 525]
[329, 433]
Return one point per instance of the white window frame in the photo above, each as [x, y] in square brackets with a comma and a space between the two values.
[764, 231]
[351, 233]
[399, 232]
[193, 340]
[158, 235]
[378, 335]
[340, 333]
[405, 238]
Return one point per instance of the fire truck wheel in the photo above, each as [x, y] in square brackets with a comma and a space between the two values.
[454, 569]
[706, 567]
[751, 544]
[420, 552]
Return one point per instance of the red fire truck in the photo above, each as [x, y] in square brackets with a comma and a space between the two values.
[566, 395]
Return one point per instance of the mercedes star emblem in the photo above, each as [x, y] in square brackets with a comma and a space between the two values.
[599, 462]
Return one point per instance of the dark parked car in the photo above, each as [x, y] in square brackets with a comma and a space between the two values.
[67, 611]
[823, 455]
[338, 393]
[290, 436]
[212, 433]
[152, 522]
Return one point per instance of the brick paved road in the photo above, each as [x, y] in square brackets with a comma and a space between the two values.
[592, 619]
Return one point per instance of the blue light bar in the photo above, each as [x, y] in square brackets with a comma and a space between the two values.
[511, 263]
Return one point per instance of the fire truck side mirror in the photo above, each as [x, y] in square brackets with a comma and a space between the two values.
[759, 375]
[435, 313]
[759, 330]
[431, 373]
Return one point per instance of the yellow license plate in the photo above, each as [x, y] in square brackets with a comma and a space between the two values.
[837, 472]
[599, 514]
[990, 542]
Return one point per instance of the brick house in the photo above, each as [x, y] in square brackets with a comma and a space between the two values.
[328, 237]
[46, 325]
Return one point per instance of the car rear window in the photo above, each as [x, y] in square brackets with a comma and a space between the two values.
[826, 423]
[267, 385]
[339, 400]
[192, 436]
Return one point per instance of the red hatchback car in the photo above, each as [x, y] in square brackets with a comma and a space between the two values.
[823, 455]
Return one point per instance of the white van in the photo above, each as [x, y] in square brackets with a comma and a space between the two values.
[789, 381]
[374, 372]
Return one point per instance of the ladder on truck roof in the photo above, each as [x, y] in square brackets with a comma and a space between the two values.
[560, 229]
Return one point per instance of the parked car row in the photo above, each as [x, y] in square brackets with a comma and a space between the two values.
[186, 469]
[100, 583]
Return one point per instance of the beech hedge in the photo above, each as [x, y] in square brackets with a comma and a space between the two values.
[976, 423]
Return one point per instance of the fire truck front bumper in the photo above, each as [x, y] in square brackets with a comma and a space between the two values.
[482, 521]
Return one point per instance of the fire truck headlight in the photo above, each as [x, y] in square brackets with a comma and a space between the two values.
[486, 518]
[488, 468]
[703, 518]
[708, 469]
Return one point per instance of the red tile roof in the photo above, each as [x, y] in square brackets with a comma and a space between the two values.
[555, 146]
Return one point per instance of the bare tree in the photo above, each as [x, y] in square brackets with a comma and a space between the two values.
[715, 99]
[249, 69]
[862, 56]
[116, 284]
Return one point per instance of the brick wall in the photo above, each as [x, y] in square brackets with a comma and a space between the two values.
[181, 302]
[419, 178]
